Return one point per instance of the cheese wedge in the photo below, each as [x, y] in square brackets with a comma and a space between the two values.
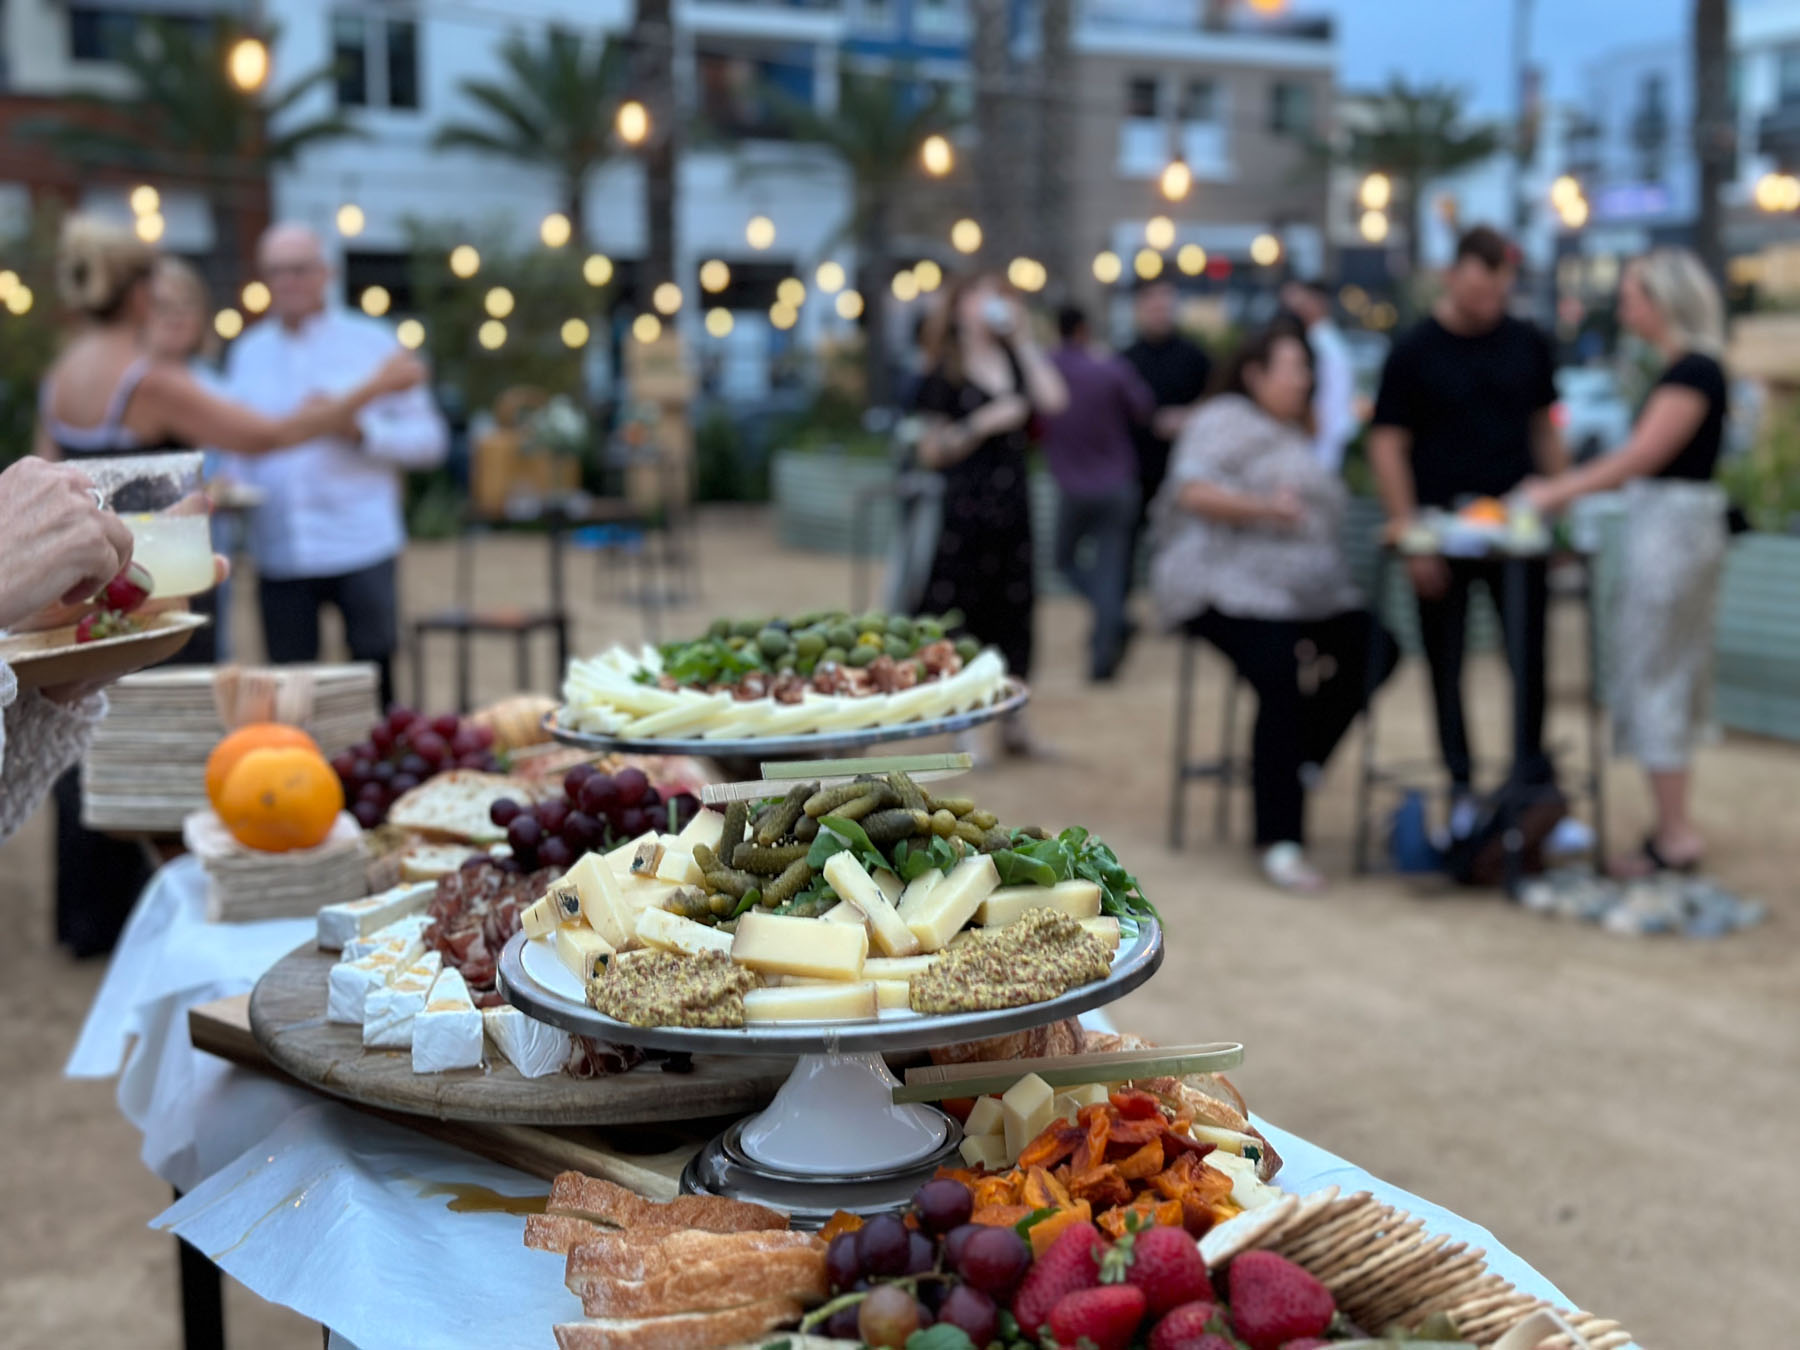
[916, 890]
[775, 944]
[672, 933]
[812, 1003]
[893, 994]
[1088, 1094]
[1104, 930]
[640, 895]
[540, 918]
[897, 967]
[647, 858]
[888, 884]
[890, 936]
[350, 919]
[536, 1049]
[986, 1118]
[1228, 1141]
[1077, 899]
[844, 912]
[602, 900]
[399, 936]
[619, 860]
[350, 982]
[583, 951]
[985, 1150]
[679, 867]
[447, 1034]
[708, 827]
[389, 1011]
[1027, 1109]
[952, 902]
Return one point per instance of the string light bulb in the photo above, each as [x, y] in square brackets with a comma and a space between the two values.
[1177, 180]
[247, 63]
[937, 156]
[1377, 191]
[465, 262]
[849, 305]
[149, 227]
[633, 122]
[597, 270]
[556, 230]
[1373, 226]
[1159, 233]
[227, 323]
[498, 302]
[145, 199]
[715, 275]
[1565, 189]
[719, 322]
[965, 236]
[375, 301]
[255, 297]
[1027, 274]
[411, 334]
[905, 286]
[1108, 267]
[929, 274]
[1191, 259]
[791, 292]
[1148, 264]
[491, 335]
[350, 220]
[1265, 250]
[18, 300]
[646, 328]
[783, 316]
[830, 277]
[666, 297]
[759, 233]
[575, 333]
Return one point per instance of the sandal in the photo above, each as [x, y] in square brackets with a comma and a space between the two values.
[1287, 869]
[1660, 863]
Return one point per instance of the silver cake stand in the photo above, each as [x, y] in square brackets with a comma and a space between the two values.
[819, 744]
[833, 1138]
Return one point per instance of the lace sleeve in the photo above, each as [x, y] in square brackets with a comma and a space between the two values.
[38, 740]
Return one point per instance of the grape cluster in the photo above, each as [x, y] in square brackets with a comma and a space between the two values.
[594, 811]
[402, 751]
[927, 1266]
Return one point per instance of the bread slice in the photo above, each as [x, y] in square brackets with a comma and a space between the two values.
[690, 1331]
[636, 1255]
[455, 805]
[561, 1232]
[596, 1199]
[1067, 1037]
[708, 1283]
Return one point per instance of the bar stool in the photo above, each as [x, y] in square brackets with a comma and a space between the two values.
[1226, 769]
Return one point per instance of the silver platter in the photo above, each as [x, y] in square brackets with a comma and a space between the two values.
[1135, 962]
[813, 744]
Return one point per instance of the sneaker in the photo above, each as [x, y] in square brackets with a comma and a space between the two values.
[1569, 838]
[1287, 869]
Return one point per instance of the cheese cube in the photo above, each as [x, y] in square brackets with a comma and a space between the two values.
[350, 983]
[583, 951]
[640, 894]
[567, 902]
[986, 1151]
[647, 858]
[812, 1003]
[1087, 1094]
[1103, 930]
[986, 1118]
[844, 912]
[540, 918]
[916, 891]
[389, 1011]
[1027, 1109]
[1066, 1107]
[602, 900]
[619, 860]
[776, 944]
[893, 994]
[891, 937]
[1077, 899]
[708, 827]
[350, 919]
[672, 933]
[448, 1033]
[888, 884]
[1227, 1141]
[679, 867]
[534, 1048]
[897, 967]
[950, 904]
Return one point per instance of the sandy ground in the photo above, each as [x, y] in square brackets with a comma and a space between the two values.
[1619, 1111]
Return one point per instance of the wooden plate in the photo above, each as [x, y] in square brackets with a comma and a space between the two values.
[287, 1017]
[53, 657]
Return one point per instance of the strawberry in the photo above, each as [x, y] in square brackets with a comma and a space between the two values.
[1166, 1264]
[1189, 1327]
[1072, 1263]
[102, 623]
[1273, 1301]
[128, 590]
[1107, 1317]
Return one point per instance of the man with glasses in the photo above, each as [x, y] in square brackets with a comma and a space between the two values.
[330, 530]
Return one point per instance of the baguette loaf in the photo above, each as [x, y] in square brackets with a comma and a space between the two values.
[706, 1284]
[638, 1254]
[596, 1199]
[693, 1331]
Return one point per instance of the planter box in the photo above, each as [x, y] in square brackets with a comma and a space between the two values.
[1757, 685]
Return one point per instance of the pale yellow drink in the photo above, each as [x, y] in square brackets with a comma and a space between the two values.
[175, 549]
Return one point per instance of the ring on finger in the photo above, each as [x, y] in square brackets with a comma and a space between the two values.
[99, 498]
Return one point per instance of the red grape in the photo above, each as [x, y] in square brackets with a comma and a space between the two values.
[887, 1316]
[955, 1240]
[466, 742]
[581, 831]
[599, 795]
[842, 1265]
[400, 717]
[524, 832]
[973, 1311]
[574, 778]
[446, 725]
[552, 814]
[632, 821]
[381, 736]
[368, 814]
[403, 782]
[484, 736]
[373, 792]
[511, 866]
[651, 799]
[365, 750]
[632, 786]
[943, 1204]
[842, 1325]
[503, 810]
[431, 747]
[921, 1253]
[381, 771]
[554, 852]
[475, 861]
[417, 765]
[881, 1245]
[344, 765]
[994, 1259]
[360, 769]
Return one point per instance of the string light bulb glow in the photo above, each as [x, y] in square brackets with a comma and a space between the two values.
[783, 316]
[632, 122]
[849, 305]
[666, 297]
[1191, 260]
[1265, 250]
[906, 287]
[575, 332]
[1177, 180]
[1027, 274]
[465, 262]
[791, 292]
[1376, 192]
[498, 302]
[759, 233]
[929, 274]
[491, 335]
[715, 275]
[1565, 189]
[149, 227]
[556, 230]
[247, 63]
[350, 220]
[1108, 267]
[597, 270]
[1575, 213]
[255, 296]
[9, 282]
[937, 156]
[411, 334]
[965, 236]
[1148, 264]
[719, 322]
[18, 300]
[829, 277]
[376, 301]
[1159, 233]
[1373, 226]
[646, 328]
[1778, 192]
[145, 199]
[227, 323]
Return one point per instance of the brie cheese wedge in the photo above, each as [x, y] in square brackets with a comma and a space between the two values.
[352, 981]
[388, 1012]
[398, 936]
[536, 1049]
[447, 1034]
[342, 922]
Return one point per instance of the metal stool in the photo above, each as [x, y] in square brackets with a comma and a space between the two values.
[467, 625]
[1226, 769]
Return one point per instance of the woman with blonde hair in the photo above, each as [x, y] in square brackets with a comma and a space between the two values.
[1664, 606]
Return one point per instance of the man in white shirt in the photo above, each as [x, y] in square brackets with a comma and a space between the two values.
[1334, 382]
[330, 530]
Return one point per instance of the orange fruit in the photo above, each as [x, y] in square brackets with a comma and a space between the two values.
[280, 799]
[253, 736]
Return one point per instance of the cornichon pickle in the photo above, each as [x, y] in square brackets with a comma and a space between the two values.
[956, 806]
[810, 908]
[897, 647]
[706, 860]
[906, 790]
[792, 807]
[806, 829]
[968, 648]
[943, 824]
[951, 618]
[737, 816]
[809, 644]
[995, 840]
[900, 626]
[841, 635]
[888, 827]
[862, 654]
[746, 628]
[730, 881]
[969, 834]
[1034, 831]
[985, 820]
[766, 860]
[794, 878]
[720, 904]
[928, 630]
[872, 622]
[772, 641]
[827, 800]
[876, 797]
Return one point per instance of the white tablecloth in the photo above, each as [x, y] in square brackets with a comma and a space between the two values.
[327, 1211]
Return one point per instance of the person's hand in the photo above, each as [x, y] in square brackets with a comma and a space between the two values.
[343, 425]
[400, 372]
[62, 614]
[1168, 422]
[1430, 575]
[61, 546]
[1542, 495]
[1284, 509]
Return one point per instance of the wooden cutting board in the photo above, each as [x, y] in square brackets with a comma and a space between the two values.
[646, 1159]
[287, 1018]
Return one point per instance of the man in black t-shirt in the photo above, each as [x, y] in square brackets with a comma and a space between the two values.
[1464, 411]
[1177, 372]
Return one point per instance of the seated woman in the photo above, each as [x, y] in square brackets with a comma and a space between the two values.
[1248, 556]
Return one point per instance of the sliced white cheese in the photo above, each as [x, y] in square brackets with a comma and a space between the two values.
[389, 1011]
[672, 933]
[1248, 1190]
[1009, 904]
[583, 951]
[1103, 930]
[536, 1049]
[678, 866]
[640, 895]
[602, 900]
[812, 1003]
[1027, 1109]
[986, 1118]
[399, 936]
[950, 904]
[707, 827]
[891, 937]
[916, 890]
[349, 984]
[540, 917]
[888, 884]
[447, 1034]
[896, 994]
[350, 919]
[897, 967]
[986, 1151]
[776, 944]
[619, 859]
[844, 912]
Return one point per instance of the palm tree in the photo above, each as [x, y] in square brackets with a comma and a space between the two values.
[1057, 246]
[554, 107]
[185, 120]
[653, 77]
[875, 133]
[1415, 135]
[1714, 134]
[1003, 167]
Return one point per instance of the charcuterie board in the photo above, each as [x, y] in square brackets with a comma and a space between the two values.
[287, 1018]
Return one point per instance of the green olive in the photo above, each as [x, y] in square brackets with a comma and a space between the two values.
[772, 641]
[863, 654]
[928, 630]
[968, 648]
[897, 647]
[872, 622]
[746, 628]
[809, 645]
[835, 654]
[900, 626]
[841, 635]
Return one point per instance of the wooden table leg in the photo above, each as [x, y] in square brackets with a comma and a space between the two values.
[202, 1298]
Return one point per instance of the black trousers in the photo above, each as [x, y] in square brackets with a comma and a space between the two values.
[1108, 523]
[367, 599]
[1443, 628]
[1300, 716]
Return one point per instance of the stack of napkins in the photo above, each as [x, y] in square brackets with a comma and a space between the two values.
[244, 884]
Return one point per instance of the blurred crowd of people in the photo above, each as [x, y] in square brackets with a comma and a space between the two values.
[1227, 483]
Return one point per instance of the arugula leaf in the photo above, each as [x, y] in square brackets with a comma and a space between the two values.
[851, 833]
[823, 848]
[1020, 869]
[914, 866]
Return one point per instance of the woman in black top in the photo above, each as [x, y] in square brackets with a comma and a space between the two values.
[1674, 548]
[987, 380]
